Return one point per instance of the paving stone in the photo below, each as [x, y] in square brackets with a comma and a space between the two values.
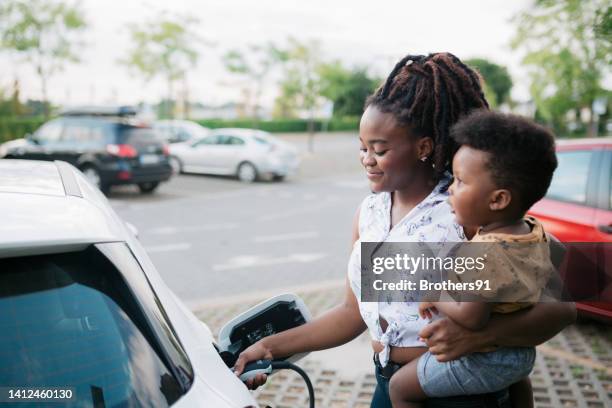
[571, 370]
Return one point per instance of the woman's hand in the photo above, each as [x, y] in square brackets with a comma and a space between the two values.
[257, 351]
[448, 341]
[427, 309]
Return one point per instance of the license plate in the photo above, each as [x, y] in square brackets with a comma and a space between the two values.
[149, 159]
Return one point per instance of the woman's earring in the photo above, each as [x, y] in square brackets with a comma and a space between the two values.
[424, 159]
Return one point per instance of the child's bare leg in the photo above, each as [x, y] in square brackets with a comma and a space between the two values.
[521, 394]
[404, 387]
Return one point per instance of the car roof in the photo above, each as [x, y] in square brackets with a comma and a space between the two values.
[101, 111]
[589, 143]
[50, 207]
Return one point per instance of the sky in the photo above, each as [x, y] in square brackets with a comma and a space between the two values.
[358, 33]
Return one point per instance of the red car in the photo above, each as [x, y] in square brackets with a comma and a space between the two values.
[578, 208]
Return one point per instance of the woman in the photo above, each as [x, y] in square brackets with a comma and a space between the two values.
[406, 151]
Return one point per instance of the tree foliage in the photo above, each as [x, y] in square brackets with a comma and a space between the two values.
[254, 65]
[44, 32]
[567, 48]
[165, 46]
[346, 88]
[300, 86]
[498, 82]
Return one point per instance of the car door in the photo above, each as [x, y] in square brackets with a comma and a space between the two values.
[603, 231]
[576, 210]
[603, 212]
[200, 155]
[79, 137]
[230, 153]
[41, 143]
[567, 211]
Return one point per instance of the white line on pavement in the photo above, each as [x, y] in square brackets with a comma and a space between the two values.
[286, 237]
[176, 230]
[181, 246]
[250, 261]
[297, 211]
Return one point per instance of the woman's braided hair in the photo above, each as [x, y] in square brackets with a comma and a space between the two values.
[429, 94]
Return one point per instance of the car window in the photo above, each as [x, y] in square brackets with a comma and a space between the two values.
[233, 140]
[261, 140]
[49, 132]
[209, 140]
[71, 320]
[569, 181]
[84, 134]
[138, 137]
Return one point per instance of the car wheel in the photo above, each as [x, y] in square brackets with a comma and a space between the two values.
[247, 172]
[147, 188]
[278, 177]
[176, 164]
[93, 175]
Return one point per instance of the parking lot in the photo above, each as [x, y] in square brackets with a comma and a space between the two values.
[215, 236]
[222, 246]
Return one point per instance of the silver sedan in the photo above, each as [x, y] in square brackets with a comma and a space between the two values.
[246, 153]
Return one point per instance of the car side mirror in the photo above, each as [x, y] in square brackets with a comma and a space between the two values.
[277, 314]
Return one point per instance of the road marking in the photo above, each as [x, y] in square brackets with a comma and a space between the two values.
[250, 261]
[297, 211]
[176, 230]
[286, 237]
[181, 246]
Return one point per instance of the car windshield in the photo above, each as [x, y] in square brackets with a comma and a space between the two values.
[70, 320]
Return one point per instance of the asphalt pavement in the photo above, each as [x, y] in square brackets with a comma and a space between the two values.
[222, 246]
[213, 237]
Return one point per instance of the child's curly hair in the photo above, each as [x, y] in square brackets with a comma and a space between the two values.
[522, 152]
[429, 94]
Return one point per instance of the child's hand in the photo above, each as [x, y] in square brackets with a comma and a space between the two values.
[426, 309]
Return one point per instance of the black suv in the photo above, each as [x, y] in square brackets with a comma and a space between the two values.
[108, 146]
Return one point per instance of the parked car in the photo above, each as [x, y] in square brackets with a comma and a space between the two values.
[176, 131]
[246, 153]
[83, 309]
[107, 145]
[578, 209]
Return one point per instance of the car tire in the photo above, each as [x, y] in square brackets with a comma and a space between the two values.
[149, 187]
[278, 177]
[247, 173]
[176, 164]
[93, 175]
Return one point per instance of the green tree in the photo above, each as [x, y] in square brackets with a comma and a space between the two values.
[254, 66]
[497, 80]
[44, 32]
[164, 46]
[567, 49]
[346, 88]
[300, 88]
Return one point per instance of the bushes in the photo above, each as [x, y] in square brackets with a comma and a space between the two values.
[12, 128]
[15, 128]
[284, 125]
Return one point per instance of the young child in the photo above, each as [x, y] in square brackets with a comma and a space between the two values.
[503, 166]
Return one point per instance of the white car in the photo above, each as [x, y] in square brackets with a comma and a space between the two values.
[84, 313]
[246, 153]
[175, 131]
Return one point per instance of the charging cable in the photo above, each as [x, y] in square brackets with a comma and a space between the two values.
[266, 367]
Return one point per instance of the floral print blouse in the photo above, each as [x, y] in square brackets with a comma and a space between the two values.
[429, 221]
